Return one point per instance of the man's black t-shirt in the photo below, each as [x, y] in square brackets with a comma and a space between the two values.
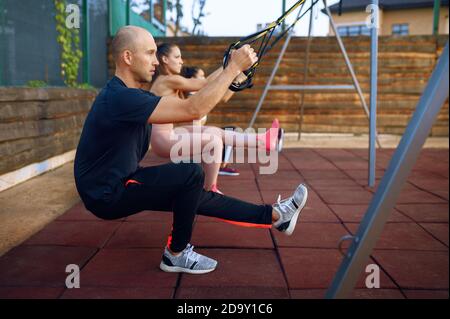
[114, 140]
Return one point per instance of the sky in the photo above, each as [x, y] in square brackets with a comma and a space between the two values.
[240, 17]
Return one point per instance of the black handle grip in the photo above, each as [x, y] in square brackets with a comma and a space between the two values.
[247, 84]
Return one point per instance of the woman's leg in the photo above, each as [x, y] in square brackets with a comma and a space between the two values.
[267, 140]
[212, 147]
[202, 148]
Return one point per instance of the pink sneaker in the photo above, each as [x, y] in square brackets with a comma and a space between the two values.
[228, 171]
[272, 137]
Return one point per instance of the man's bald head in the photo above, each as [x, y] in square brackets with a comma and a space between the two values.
[134, 52]
[128, 38]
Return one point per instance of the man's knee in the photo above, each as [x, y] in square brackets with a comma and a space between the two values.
[196, 174]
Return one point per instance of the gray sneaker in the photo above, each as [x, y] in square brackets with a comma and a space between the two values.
[289, 210]
[188, 261]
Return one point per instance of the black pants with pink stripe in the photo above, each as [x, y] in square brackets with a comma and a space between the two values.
[179, 188]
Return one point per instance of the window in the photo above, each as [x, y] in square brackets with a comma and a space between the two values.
[142, 8]
[157, 13]
[400, 29]
[150, 10]
[353, 30]
[343, 32]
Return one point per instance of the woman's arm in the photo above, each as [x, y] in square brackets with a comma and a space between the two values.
[178, 82]
[240, 78]
[174, 110]
[215, 74]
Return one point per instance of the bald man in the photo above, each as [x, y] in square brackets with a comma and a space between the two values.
[116, 136]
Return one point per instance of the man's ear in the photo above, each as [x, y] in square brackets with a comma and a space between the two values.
[127, 57]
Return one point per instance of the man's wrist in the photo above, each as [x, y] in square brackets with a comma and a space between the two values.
[233, 69]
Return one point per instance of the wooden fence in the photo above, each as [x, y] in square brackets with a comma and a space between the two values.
[37, 124]
[405, 64]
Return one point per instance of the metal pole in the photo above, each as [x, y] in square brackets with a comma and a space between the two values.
[164, 15]
[272, 76]
[349, 65]
[86, 43]
[402, 162]
[305, 75]
[373, 91]
[110, 18]
[3, 45]
[127, 13]
[283, 10]
[436, 12]
[311, 87]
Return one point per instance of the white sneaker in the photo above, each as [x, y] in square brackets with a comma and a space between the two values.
[188, 261]
[289, 209]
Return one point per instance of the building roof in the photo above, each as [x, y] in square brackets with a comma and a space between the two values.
[353, 5]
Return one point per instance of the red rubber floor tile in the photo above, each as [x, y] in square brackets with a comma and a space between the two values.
[80, 233]
[346, 196]
[323, 174]
[140, 234]
[424, 174]
[319, 184]
[430, 184]
[415, 269]
[355, 213]
[312, 235]
[78, 213]
[363, 175]
[222, 234]
[309, 268]
[244, 185]
[313, 163]
[351, 163]
[280, 184]
[405, 236]
[437, 213]
[418, 197]
[151, 216]
[442, 194]
[133, 268]
[440, 231]
[239, 268]
[43, 266]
